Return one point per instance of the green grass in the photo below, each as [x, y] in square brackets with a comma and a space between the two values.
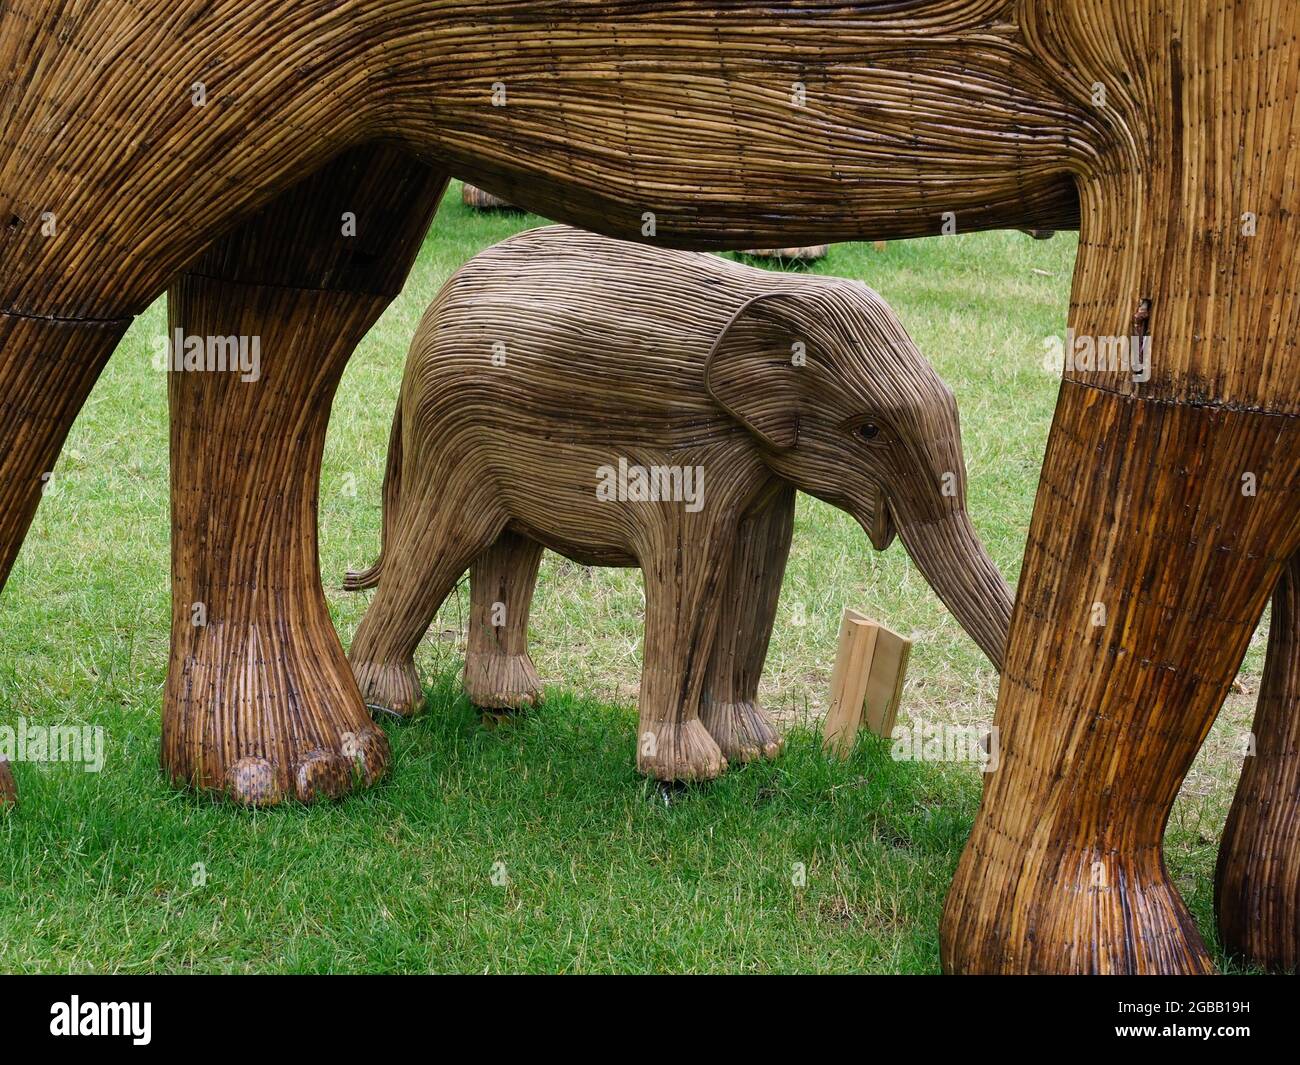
[118, 872]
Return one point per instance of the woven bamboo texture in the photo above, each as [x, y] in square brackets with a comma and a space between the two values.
[1164, 130]
[265, 641]
[1257, 882]
[557, 357]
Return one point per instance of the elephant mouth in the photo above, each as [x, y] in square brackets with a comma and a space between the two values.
[882, 529]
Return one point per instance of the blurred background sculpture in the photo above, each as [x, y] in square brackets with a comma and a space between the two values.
[809, 254]
[636, 406]
[473, 196]
[279, 168]
[8, 790]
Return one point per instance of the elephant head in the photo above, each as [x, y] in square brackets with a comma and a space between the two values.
[846, 408]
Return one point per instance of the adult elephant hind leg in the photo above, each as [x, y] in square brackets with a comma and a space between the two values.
[499, 674]
[1257, 881]
[47, 369]
[260, 704]
[729, 708]
[1128, 633]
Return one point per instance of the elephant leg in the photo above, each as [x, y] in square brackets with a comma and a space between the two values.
[260, 704]
[1257, 882]
[684, 570]
[47, 369]
[499, 675]
[431, 546]
[729, 708]
[1146, 571]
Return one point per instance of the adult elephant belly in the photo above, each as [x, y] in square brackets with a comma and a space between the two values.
[703, 127]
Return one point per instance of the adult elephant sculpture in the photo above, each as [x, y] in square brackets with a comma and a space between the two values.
[136, 136]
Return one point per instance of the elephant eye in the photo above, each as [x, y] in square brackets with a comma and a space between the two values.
[868, 430]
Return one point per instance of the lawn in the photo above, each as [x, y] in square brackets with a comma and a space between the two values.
[532, 847]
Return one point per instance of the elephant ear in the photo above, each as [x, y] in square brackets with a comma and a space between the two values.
[755, 372]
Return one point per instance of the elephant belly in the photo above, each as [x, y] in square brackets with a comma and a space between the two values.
[582, 501]
[585, 554]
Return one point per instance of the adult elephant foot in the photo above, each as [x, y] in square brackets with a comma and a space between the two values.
[1257, 882]
[260, 703]
[1127, 635]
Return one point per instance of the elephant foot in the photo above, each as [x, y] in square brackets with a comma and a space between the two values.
[1075, 912]
[672, 750]
[501, 682]
[262, 716]
[743, 730]
[390, 688]
[8, 788]
[358, 760]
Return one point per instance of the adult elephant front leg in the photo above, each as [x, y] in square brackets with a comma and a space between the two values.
[1168, 505]
[1151, 570]
[47, 368]
[260, 703]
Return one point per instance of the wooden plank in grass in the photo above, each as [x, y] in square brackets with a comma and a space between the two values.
[867, 682]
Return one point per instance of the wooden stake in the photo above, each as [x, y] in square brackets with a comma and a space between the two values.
[867, 684]
[885, 681]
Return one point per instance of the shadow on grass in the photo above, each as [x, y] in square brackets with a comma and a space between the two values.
[531, 847]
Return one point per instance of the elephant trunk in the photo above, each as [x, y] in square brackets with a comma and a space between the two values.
[952, 559]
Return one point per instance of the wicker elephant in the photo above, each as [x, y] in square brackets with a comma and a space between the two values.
[635, 406]
[274, 166]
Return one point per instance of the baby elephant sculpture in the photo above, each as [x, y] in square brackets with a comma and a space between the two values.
[630, 406]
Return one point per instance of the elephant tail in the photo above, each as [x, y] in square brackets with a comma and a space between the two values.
[369, 577]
